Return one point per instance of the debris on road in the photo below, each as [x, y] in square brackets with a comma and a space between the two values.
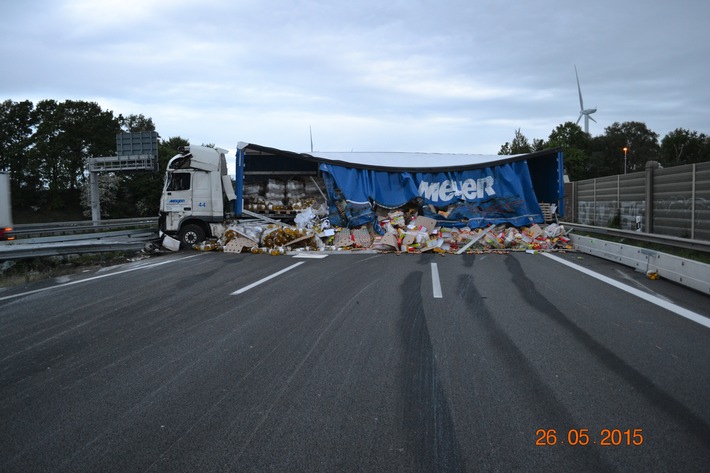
[394, 231]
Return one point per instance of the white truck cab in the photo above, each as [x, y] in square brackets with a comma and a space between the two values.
[196, 183]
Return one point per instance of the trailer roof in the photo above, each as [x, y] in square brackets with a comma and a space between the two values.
[400, 161]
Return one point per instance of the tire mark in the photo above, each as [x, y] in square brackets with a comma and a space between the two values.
[426, 414]
[643, 385]
[542, 399]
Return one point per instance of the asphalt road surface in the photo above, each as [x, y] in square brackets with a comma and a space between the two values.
[212, 362]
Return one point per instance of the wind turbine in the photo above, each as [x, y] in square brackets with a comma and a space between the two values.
[582, 111]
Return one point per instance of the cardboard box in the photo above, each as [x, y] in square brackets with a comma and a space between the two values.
[236, 245]
[426, 222]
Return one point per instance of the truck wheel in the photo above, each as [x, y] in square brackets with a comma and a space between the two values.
[191, 234]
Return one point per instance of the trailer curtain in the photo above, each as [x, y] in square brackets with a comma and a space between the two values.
[477, 197]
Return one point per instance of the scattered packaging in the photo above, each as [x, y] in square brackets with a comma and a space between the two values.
[170, 243]
[396, 218]
[396, 231]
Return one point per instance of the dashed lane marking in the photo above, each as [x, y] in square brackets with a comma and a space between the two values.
[436, 284]
[267, 278]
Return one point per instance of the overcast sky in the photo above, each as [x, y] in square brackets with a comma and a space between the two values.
[415, 75]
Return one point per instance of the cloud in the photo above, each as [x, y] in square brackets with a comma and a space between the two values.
[418, 75]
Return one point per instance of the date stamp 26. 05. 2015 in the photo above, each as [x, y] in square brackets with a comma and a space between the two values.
[582, 437]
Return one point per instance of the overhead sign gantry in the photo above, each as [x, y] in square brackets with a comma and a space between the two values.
[136, 151]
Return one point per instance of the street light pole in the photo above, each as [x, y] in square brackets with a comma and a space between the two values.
[625, 150]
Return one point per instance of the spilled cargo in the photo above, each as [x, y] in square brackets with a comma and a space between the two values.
[283, 201]
[396, 232]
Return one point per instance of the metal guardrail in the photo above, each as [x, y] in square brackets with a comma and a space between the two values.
[682, 271]
[28, 230]
[697, 245]
[134, 233]
[73, 238]
[12, 252]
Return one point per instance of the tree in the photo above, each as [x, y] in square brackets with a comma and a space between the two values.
[588, 157]
[574, 143]
[46, 148]
[684, 147]
[16, 124]
[538, 145]
[67, 134]
[520, 145]
[641, 143]
[136, 123]
[605, 156]
[109, 184]
[569, 135]
[169, 148]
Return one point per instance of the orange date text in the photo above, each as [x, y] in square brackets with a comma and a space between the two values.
[575, 437]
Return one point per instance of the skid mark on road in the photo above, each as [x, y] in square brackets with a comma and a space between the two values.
[612, 362]
[542, 401]
[427, 416]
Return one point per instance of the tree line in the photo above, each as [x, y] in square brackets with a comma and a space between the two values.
[588, 157]
[45, 147]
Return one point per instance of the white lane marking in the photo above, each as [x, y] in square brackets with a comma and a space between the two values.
[641, 287]
[688, 314]
[436, 284]
[80, 281]
[250, 286]
[306, 255]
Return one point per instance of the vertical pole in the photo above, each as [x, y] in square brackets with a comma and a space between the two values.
[594, 200]
[95, 203]
[572, 216]
[650, 166]
[575, 209]
[618, 198]
[692, 207]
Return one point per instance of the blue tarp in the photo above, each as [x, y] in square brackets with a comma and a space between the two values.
[475, 197]
[473, 190]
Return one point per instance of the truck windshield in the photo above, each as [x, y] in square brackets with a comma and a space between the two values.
[178, 181]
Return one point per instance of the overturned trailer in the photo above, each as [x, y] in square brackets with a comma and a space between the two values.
[454, 189]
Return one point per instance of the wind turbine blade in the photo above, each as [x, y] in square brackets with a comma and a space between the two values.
[578, 119]
[579, 89]
[591, 118]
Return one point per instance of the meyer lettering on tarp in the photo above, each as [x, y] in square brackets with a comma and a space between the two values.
[448, 190]
[478, 197]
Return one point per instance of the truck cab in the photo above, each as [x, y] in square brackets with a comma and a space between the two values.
[194, 193]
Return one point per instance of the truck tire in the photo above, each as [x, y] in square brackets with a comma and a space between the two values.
[191, 234]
